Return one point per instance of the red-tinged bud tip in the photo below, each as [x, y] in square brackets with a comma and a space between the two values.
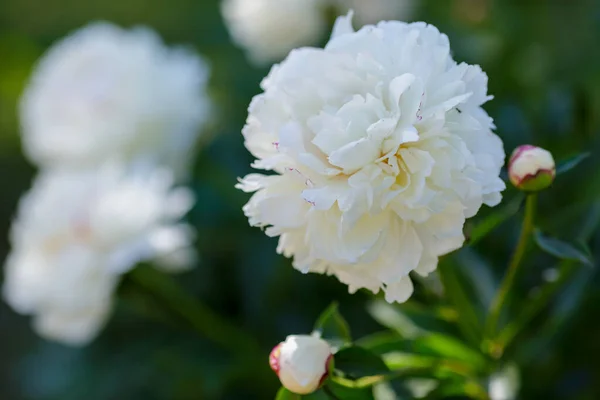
[531, 168]
[274, 358]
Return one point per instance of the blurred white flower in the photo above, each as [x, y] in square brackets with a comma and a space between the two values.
[268, 29]
[104, 91]
[301, 362]
[77, 232]
[380, 150]
[373, 11]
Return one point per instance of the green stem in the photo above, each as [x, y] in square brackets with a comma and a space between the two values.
[532, 308]
[566, 269]
[513, 267]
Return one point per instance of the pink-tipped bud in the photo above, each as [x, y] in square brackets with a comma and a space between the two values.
[302, 363]
[531, 168]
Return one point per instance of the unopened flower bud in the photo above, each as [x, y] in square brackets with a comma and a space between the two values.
[302, 363]
[531, 168]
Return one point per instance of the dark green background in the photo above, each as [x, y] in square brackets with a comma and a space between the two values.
[543, 60]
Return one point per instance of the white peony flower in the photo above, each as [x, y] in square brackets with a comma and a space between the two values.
[268, 29]
[380, 149]
[77, 232]
[301, 362]
[373, 11]
[531, 168]
[104, 92]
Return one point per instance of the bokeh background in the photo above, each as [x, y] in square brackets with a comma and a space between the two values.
[543, 60]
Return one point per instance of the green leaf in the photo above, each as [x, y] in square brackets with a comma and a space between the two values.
[477, 269]
[437, 345]
[412, 319]
[332, 326]
[393, 318]
[356, 362]
[448, 348]
[430, 318]
[420, 366]
[337, 391]
[458, 389]
[419, 388]
[284, 394]
[562, 250]
[383, 342]
[571, 163]
[402, 389]
[456, 290]
[318, 395]
[494, 219]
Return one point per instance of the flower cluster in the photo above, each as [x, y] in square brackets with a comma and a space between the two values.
[105, 92]
[268, 29]
[380, 150]
[77, 231]
[110, 117]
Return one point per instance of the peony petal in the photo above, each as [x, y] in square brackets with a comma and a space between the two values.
[354, 155]
[343, 25]
[399, 292]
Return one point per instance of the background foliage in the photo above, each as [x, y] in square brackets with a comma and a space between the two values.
[543, 61]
